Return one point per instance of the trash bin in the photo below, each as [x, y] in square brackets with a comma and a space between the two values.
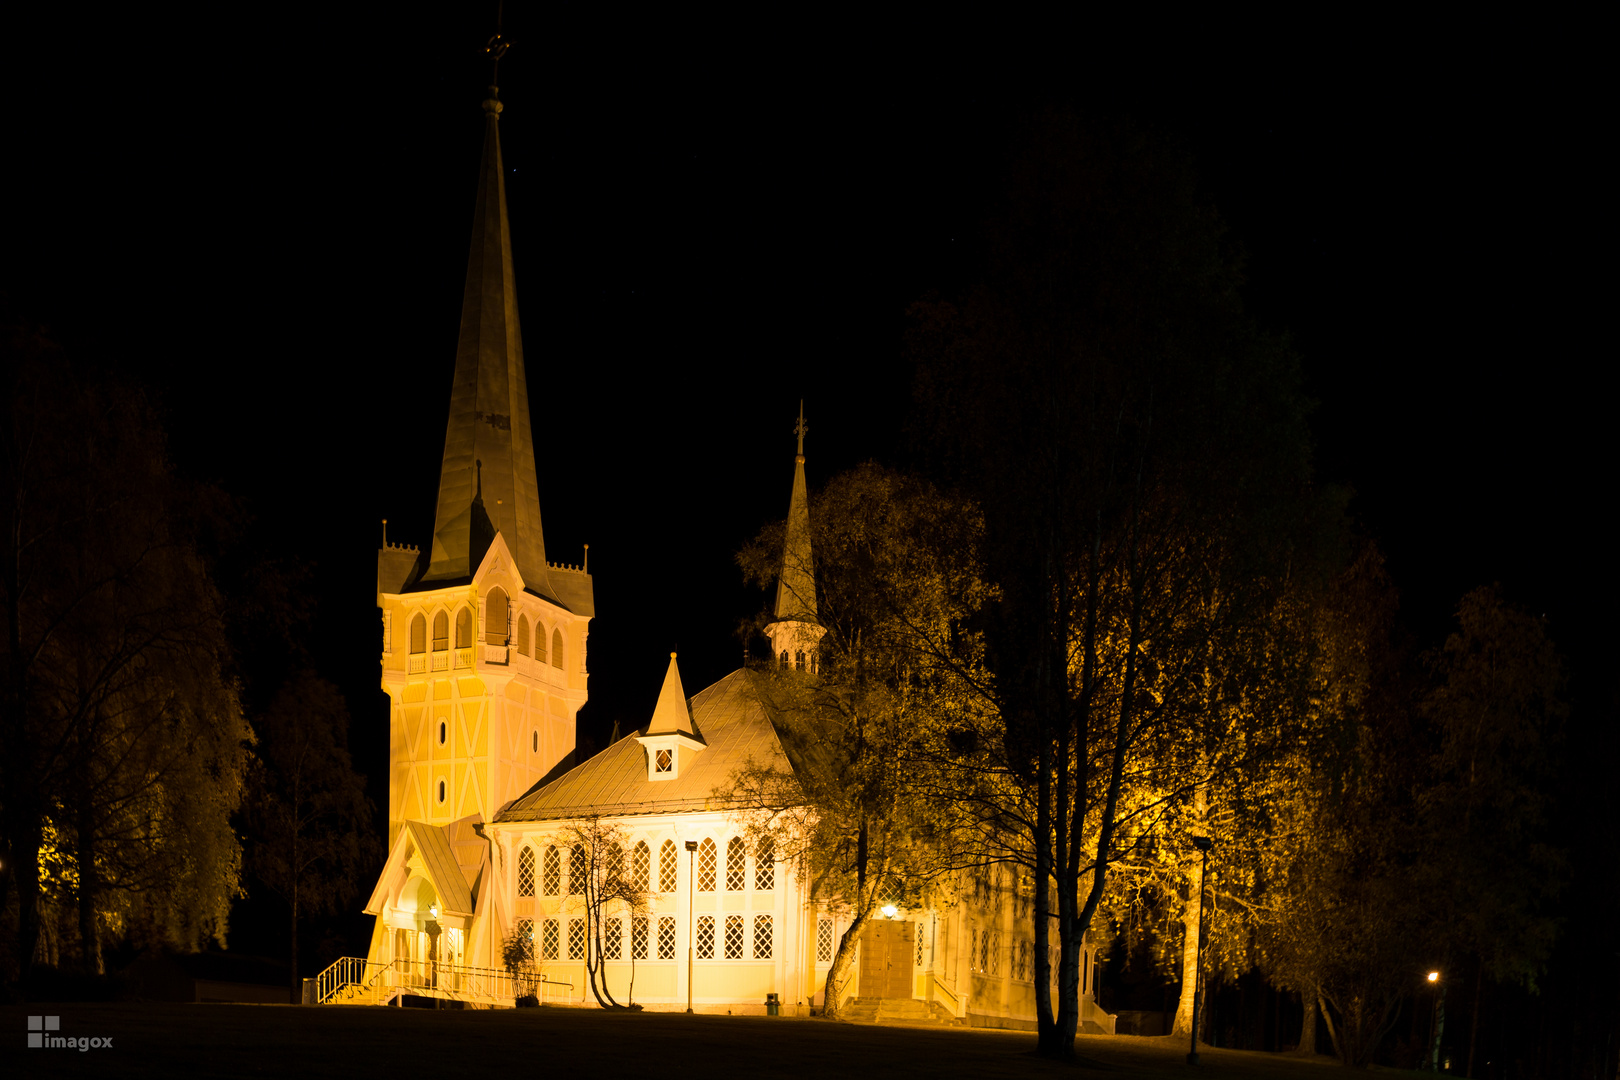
[773, 1005]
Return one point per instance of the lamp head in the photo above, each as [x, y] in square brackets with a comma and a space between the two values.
[889, 911]
[1203, 843]
[691, 845]
[1434, 976]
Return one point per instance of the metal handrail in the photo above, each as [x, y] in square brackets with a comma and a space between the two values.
[378, 980]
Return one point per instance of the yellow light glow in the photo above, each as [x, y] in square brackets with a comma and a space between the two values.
[890, 911]
[1434, 976]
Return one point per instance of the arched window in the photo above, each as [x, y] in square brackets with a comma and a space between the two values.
[556, 648]
[706, 860]
[798, 660]
[736, 864]
[443, 732]
[577, 872]
[615, 864]
[523, 635]
[765, 865]
[419, 634]
[784, 659]
[441, 632]
[540, 641]
[463, 629]
[526, 871]
[550, 871]
[495, 618]
[441, 791]
[668, 865]
[640, 866]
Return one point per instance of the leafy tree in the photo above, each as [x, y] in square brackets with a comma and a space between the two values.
[1139, 450]
[124, 741]
[307, 816]
[899, 584]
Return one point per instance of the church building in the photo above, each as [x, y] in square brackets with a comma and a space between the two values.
[484, 659]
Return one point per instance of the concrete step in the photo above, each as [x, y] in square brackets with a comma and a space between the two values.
[897, 1011]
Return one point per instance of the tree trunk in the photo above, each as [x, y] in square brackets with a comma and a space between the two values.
[838, 974]
[89, 886]
[1333, 1036]
[1191, 929]
[1307, 1030]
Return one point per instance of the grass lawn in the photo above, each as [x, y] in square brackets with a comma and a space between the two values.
[299, 1042]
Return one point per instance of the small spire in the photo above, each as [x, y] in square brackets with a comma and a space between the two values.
[671, 714]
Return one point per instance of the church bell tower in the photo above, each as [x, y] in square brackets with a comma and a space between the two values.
[794, 631]
[483, 639]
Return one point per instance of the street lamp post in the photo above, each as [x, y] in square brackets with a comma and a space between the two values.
[1203, 844]
[691, 902]
[1435, 1014]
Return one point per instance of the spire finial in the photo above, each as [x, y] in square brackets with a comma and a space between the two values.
[496, 48]
[801, 430]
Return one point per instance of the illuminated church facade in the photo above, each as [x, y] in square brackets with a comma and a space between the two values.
[484, 659]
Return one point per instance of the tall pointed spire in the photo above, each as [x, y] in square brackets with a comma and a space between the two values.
[796, 583]
[488, 465]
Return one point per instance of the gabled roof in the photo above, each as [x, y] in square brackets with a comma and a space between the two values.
[449, 860]
[614, 783]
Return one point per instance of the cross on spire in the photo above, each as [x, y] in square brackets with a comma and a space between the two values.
[801, 429]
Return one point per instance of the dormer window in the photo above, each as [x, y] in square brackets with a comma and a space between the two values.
[664, 761]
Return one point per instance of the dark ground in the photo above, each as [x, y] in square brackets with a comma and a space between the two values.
[197, 1041]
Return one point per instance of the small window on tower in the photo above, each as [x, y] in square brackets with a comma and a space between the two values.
[441, 632]
[798, 660]
[523, 635]
[463, 629]
[784, 659]
[441, 791]
[666, 761]
[443, 732]
[556, 649]
[418, 634]
[534, 737]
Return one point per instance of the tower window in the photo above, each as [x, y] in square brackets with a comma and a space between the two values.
[534, 737]
[441, 632]
[463, 629]
[496, 623]
[556, 649]
[798, 660]
[441, 791]
[418, 634]
[540, 641]
[665, 761]
[523, 635]
[784, 659]
[443, 732]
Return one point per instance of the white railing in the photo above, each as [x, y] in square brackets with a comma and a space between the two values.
[464, 658]
[441, 661]
[418, 663]
[353, 981]
[494, 654]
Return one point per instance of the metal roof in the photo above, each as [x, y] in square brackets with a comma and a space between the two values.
[614, 783]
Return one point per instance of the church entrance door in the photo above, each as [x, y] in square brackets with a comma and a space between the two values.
[886, 958]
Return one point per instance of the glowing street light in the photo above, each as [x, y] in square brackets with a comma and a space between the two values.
[889, 911]
[1434, 976]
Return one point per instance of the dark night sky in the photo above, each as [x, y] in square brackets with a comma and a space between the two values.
[268, 219]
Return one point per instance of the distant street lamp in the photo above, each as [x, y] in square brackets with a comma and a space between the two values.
[691, 902]
[889, 911]
[1436, 1021]
[1203, 844]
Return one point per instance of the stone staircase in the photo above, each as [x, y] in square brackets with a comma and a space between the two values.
[906, 1011]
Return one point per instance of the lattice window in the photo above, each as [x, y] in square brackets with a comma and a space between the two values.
[550, 872]
[995, 953]
[613, 939]
[669, 862]
[548, 939]
[640, 866]
[762, 937]
[765, 865]
[666, 937]
[576, 939]
[824, 941]
[638, 938]
[975, 963]
[664, 761]
[1022, 970]
[526, 871]
[577, 872]
[736, 864]
[734, 937]
[919, 945]
[706, 861]
[705, 937]
[615, 863]
[525, 931]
